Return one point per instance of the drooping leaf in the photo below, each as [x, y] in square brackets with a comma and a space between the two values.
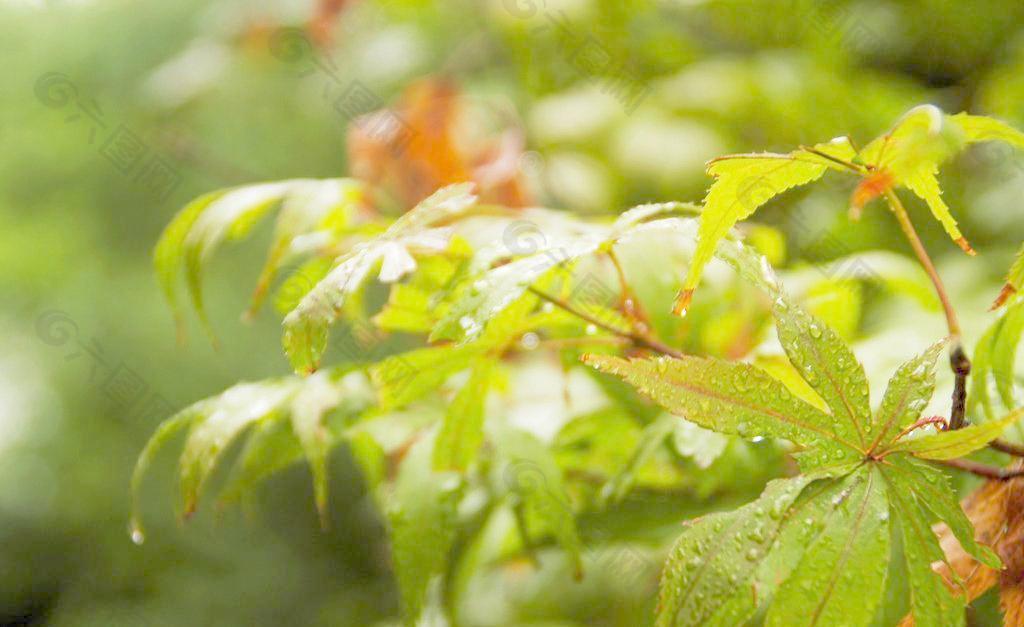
[224, 417]
[168, 255]
[422, 515]
[745, 182]
[980, 128]
[311, 209]
[271, 447]
[215, 423]
[908, 393]
[317, 396]
[953, 444]
[306, 327]
[531, 475]
[167, 430]
[463, 430]
[200, 228]
[841, 576]
[733, 398]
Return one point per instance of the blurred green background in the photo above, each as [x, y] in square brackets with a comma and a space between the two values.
[113, 114]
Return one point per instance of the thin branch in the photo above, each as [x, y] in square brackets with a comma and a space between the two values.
[1007, 447]
[629, 302]
[922, 255]
[846, 164]
[961, 366]
[958, 359]
[641, 339]
[982, 470]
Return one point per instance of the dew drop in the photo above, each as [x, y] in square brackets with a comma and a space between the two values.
[529, 341]
[753, 554]
[591, 329]
[135, 533]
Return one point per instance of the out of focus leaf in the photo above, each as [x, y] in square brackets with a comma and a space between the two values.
[463, 430]
[421, 513]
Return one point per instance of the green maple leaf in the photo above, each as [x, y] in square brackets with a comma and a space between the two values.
[287, 415]
[908, 156]
[813, 549]
[308, 207]
[306, 327]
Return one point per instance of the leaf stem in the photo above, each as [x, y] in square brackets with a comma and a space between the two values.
[645, 340]
[922, 255]
[958, 360]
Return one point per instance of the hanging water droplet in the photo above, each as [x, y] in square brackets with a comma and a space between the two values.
[547, 307]
[757, 438]
[529, 341]
[591, 329]
[135, 533]
[884, 516]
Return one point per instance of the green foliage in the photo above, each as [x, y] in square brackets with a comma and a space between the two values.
[840, 567]
[907, 156]
[453, 461]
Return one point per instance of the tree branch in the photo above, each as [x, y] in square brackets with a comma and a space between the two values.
[982, 470]
[644, 340]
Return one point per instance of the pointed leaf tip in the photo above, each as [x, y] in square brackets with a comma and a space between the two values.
[682, 302]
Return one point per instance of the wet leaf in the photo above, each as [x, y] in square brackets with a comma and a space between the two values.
[745, 182]
[906, 396]
[953, 444]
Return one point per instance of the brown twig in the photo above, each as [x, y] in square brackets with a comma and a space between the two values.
[644, 340]
[982, 470]
[1007, 447]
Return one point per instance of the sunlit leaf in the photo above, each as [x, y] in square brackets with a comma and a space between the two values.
[745, 182]
[733, 398]
[306, 327]
[953, 444]
[908, 393]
